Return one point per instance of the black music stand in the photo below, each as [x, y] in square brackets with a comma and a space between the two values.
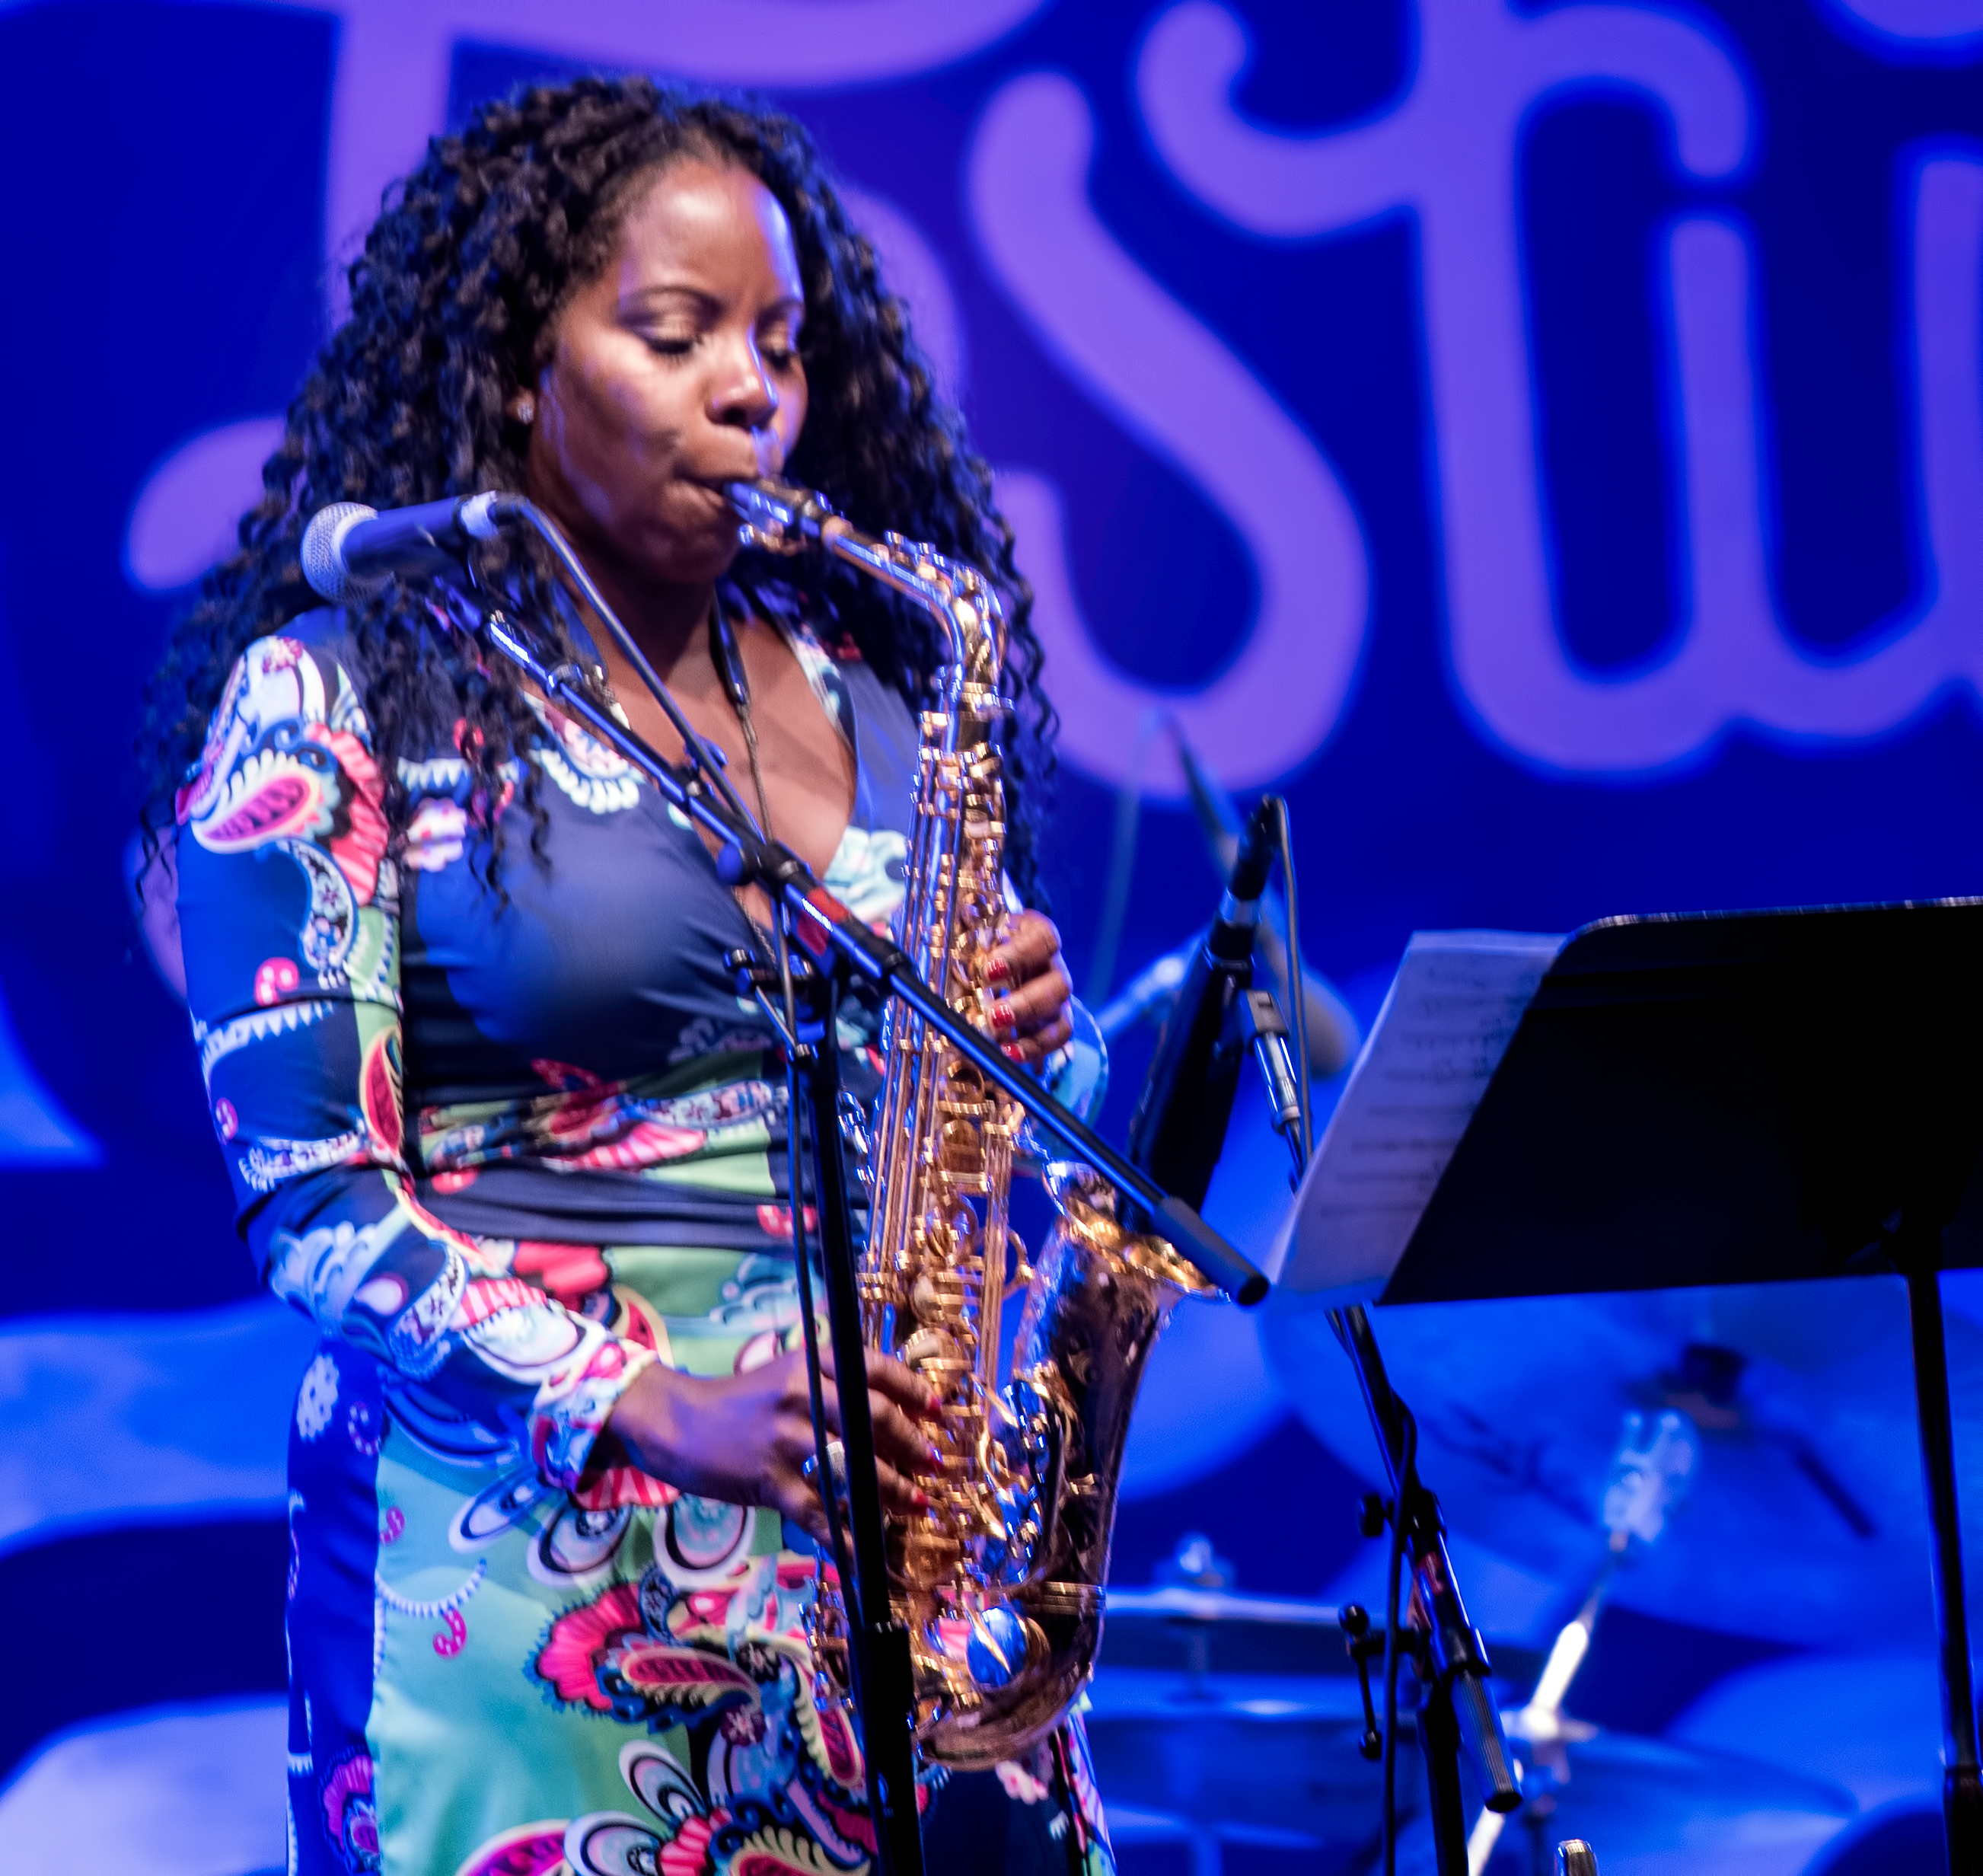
[1742, 1099]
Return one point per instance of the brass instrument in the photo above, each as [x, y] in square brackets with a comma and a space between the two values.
[999, 1582]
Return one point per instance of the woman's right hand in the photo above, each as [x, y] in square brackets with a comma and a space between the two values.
[745, 1439]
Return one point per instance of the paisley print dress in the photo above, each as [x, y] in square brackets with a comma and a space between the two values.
[505, 1155]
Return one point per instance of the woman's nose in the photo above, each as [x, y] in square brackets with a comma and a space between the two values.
[746, 396]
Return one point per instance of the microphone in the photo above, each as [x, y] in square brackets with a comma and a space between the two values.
[350, 549]
[1179, 1126]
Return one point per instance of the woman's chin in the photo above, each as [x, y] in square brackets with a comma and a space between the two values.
[692, 563]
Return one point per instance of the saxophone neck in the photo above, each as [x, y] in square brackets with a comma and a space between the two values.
[777, 518]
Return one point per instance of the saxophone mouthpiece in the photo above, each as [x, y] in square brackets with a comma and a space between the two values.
[778, 518]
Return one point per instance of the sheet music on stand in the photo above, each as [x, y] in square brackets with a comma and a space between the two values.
[1450, 1013]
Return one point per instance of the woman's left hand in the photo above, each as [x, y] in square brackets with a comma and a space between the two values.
[1028, 978]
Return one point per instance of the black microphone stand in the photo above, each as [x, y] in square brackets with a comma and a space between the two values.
[838, 945]
[880, 1670]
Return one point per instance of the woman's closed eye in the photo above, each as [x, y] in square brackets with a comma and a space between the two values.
[672, 344]
[779, 336]
[779, 355]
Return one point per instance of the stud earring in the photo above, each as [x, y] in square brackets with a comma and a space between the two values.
[523, 408]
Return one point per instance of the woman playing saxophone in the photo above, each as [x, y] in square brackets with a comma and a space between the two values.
[495, 1115]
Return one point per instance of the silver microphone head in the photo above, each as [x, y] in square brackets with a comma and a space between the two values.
[322, 551]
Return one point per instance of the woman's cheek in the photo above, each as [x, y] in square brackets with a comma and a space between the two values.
[792, 418]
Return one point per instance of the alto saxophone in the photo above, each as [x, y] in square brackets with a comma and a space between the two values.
[999, 1582]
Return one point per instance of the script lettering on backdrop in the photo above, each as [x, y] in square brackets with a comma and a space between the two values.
[390, 95]
[394, 55]
[1914, 30]
[1448, 153]
[1174, 386]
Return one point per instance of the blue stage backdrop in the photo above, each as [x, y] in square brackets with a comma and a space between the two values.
[1544, 440]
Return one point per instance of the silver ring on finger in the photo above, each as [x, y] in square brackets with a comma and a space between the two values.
[836, 1460]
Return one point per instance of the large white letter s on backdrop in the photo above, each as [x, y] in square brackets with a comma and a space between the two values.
[1174, 386]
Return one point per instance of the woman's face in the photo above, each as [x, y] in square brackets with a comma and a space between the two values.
[674, 371]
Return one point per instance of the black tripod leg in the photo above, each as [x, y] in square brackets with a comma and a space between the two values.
[1439, 1740]
[1962, 1789]
[884, 1680]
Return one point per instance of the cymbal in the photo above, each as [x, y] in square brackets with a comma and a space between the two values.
[1244, 1751]
[1804, 1518]
[1870, 1723]
[1177, 1603]
[1647, 1798]
[1239, 1752]
[1183, 1628]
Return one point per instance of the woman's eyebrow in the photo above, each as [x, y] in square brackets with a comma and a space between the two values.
[637, 299]
[653, 296]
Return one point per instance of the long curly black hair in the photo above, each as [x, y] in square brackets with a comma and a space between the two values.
[453, 305]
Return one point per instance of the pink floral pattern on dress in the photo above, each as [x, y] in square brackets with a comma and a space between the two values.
[350, 1819]
[288, 770]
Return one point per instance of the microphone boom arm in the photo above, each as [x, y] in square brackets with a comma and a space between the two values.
[824, 926]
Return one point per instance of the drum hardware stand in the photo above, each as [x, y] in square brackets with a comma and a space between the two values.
[1915, 1252]
[1651, 1471]
[1545, 1730]
[1364, 1647]
[837, 943]
[1447, 1652]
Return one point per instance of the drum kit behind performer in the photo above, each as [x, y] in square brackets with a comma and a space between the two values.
[1225, 1720]
[1742, 1459]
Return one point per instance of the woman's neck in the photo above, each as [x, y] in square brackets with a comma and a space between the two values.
[667, 620]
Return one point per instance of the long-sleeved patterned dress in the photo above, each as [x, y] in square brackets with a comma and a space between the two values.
[504, 1159]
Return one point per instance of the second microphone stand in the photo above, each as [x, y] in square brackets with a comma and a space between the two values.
[1447, 1650]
